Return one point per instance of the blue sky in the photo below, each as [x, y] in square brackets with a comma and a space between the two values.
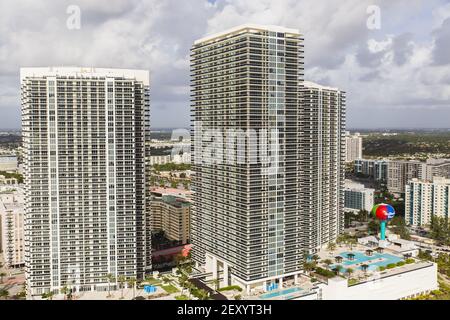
[397, 76]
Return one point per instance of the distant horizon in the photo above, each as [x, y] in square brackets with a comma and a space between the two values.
[347, 129]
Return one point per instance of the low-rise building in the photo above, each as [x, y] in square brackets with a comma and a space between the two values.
[357, 197]
[8, 163]
[8, 180]
[159, 159]
[12, 229]
[424, 199]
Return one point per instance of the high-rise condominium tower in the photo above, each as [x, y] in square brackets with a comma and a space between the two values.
[273, 192]
[84, 133]
[322, 163]
[353, 145]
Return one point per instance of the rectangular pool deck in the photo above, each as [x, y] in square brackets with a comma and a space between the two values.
[373, 261]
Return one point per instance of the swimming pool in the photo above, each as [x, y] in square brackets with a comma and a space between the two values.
[374, 261]
[280, 293]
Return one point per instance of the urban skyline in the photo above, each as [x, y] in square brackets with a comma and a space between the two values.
[266, 193]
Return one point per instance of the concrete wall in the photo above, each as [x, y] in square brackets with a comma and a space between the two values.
[388, 288]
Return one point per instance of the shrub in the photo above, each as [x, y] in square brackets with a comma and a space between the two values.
[409, 261]
[401, 263]
[230, 288]
[391, 266]
[182, 297]
[237, 297]
[436, 292]
[381, 268]
[325, 273]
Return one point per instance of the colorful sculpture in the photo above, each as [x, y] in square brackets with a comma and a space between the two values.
[384, 213]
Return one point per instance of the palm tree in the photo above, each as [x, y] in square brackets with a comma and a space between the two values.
[216, 283]
[4, 294]
[110, 278]
[65, 291]
[308, 266]
[203, 294]
[349, 272]
[2, 274]
[190, 286]
[338, 269]
[121, 280]
[328, 263]
[351, 242]
[315, 258]
[132, 283]
[331, 246]
[183, 281]
[48, 295]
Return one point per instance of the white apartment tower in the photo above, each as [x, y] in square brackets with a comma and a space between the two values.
[322, 163]
[353, 146]
[84, 132]
[425, 199]
[248, 224]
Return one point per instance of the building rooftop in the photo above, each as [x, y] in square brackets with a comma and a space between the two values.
[175, 201]
[245, 27]
[171, 191]
[309, 84]
[139, 75]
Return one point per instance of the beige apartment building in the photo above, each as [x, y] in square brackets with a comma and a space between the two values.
[171, 215]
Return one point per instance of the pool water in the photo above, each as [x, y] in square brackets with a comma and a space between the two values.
[280, 293]
[360, 257]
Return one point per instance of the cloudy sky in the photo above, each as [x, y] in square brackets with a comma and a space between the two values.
[397, 75]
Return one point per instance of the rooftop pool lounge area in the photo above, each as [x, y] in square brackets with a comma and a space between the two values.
[356, 259]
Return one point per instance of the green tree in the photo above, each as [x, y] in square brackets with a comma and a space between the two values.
[65, 291]
[349, 272]
[328, 263]
[331, 246]
[121, 279]
[202, 294]
[338, 268]
[110, 278]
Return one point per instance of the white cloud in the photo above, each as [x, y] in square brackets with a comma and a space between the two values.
[378, 69]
